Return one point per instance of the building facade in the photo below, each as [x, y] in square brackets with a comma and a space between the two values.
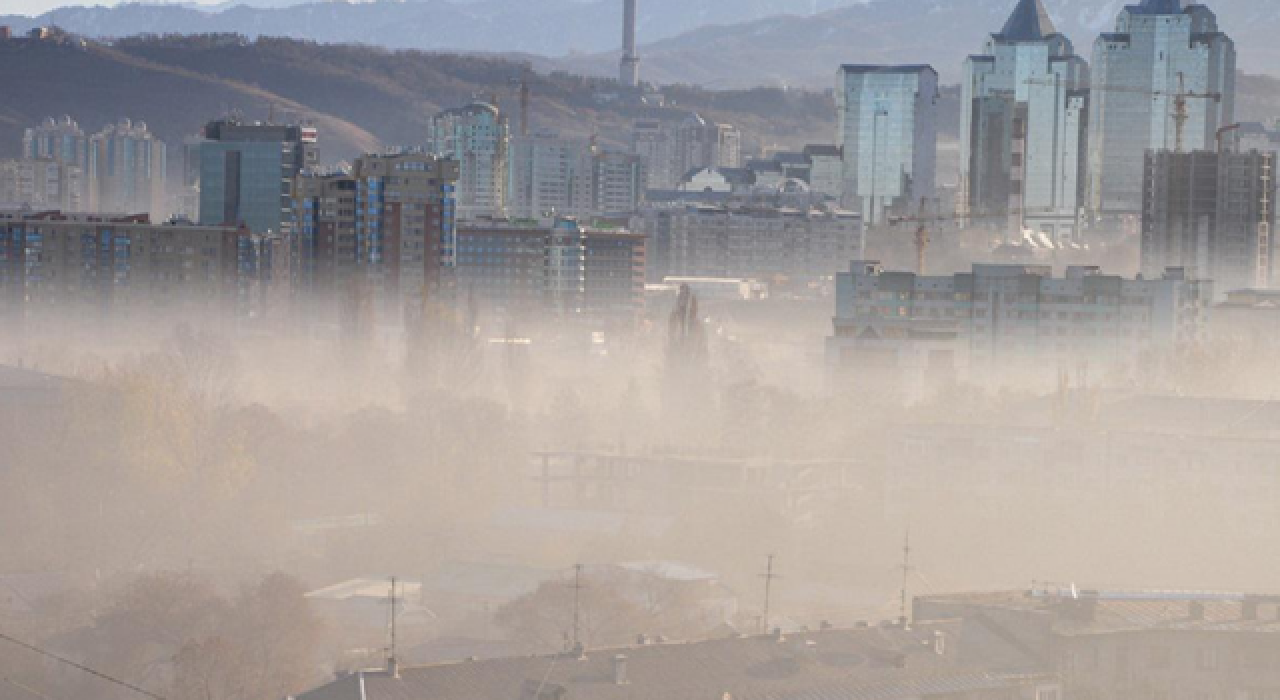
[55, 262]
[558, 268]
[1159, 49]
[127, 170]
[1000, 318]
[752, 240]
[1212, 214]
[247, 171]
[887, 129]
[1023, 129]
[386, 229]
[478, 136]
[671, 149]
[567, 177]
[60, 140]
[41, 184]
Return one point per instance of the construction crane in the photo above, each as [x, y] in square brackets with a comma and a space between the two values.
[922, 239]
[1181, 98]
[522, 84]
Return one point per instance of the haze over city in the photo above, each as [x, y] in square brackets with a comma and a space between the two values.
[596, 349]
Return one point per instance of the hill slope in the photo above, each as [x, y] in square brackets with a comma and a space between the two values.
[548, 27]
[361, 98]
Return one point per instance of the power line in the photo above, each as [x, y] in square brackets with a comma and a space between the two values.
[25, 688]
[98, 674]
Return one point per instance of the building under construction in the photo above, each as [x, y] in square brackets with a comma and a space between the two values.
[1212, 214]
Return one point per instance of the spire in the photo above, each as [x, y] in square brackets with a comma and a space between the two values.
[1030, 22]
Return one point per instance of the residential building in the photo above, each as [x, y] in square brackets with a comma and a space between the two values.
[551, 175]
[1159, 49]
[748, 240]
[671, 148]
[1023, 129]
[1115, 644]
[890, 662]
[554, 176]
[1212, 214]
[60, 140]
[127, 170]
[478, 136]
[127, 265]
[388, 227]
[41, 184]
[619, 183]
[997, 319]
[559, 268]
[819, 167]
[887, 129]
[247, 171]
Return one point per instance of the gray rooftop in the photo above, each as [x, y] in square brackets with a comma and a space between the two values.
[1029, 22]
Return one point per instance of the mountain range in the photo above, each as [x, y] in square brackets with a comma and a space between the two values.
[717, 43]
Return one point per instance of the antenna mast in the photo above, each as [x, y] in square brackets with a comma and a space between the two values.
[577, 590]
[768, 577]
[906, 572]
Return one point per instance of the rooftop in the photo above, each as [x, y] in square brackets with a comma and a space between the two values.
[1029, 22]
[1078, 611]
[872, 663]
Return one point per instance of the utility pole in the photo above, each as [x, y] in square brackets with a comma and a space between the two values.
[906, 572]
[577, 606]
[393, 664]
[768, 577]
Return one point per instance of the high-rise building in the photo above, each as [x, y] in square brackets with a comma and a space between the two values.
[1212, 214]
[1023, 129]
[478, 137]
[1160, 49]
[388, 225]
[41, 184]
[59, 140]
[247, 171]
[127, 171]
[556, 176]
[619, 183]
[551, 175]
[887, 128]
[673, 149]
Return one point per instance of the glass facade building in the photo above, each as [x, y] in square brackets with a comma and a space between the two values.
[247, 171]
[479, 138]
[1023, 129]
[1159, 48]
[887, 127]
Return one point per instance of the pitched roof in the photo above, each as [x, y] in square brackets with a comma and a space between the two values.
[1029, 22]
[871, 663]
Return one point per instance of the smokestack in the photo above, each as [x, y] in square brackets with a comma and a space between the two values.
[629, 73]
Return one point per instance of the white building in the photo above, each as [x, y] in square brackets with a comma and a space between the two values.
[1022, 131]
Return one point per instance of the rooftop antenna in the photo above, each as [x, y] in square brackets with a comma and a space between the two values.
[768, 577]
[906, 572]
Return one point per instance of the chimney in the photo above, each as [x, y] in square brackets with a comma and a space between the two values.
[1249, 609]
[642, 640]
[393, 666]
[620, 670]
[939, 643]
[1196, 611]
[629, 70]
